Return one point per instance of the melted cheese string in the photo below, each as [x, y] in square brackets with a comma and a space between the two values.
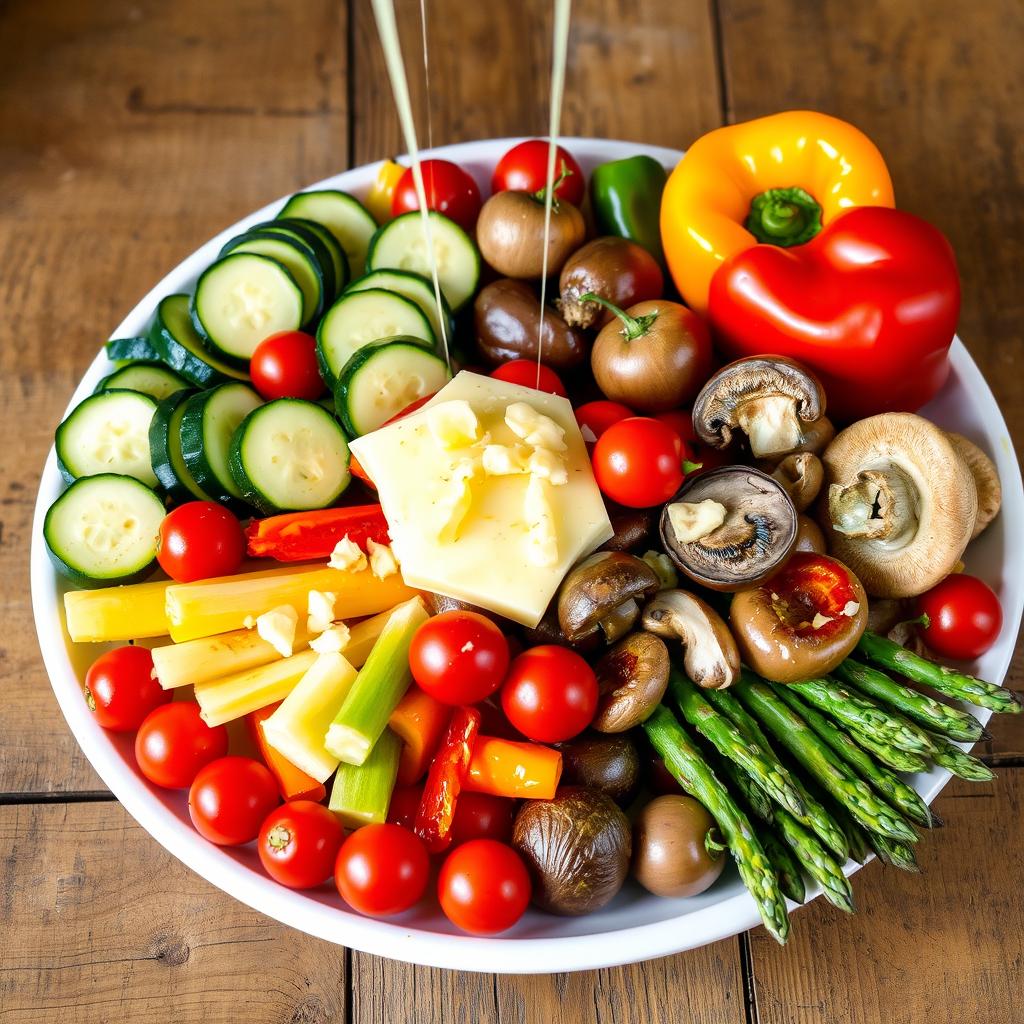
[426, 74]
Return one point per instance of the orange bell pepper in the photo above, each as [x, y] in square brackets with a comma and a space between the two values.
[293, 782]
[419, 722]
[776, 179]
[509, 768]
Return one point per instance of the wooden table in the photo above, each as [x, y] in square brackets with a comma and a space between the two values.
[133, 130]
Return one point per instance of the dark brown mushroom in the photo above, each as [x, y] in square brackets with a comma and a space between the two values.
[729, 528]
[771, 399]
[631, 680]
[603, 592]
[801, 475]
[632, 526]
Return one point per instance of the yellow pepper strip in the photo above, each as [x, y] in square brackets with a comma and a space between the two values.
[382, 191]
[715, 201]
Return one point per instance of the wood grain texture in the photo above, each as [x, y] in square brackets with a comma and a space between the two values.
[102, 924]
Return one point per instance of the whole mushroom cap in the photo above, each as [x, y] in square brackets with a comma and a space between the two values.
[603, 591]
[986, 479]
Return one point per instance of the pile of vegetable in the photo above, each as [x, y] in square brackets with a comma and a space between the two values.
[604, 604]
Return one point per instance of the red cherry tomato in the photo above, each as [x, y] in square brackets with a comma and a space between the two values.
[299, 843]
[550, 694]
[382, 870]
[483, 887]
[965, 617]
[482, 816]
[459, 657]
[524, 371]
[681, 421]
[230, 798]
[638, 462]
[405, 802]
[703, 456]
[284, 366]
[174, 743]
[448, 188]
[120, 689]
[524, 168]
[595, 418]
[199, 540]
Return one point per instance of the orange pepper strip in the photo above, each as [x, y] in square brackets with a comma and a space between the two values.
[293, 782]
[512, 769]
[419, 721]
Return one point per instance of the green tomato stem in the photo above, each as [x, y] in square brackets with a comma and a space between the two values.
[633, 326]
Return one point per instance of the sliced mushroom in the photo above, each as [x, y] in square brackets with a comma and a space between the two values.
[773, 400]
[710, 655]
[604, 591]
[756, 535]
[900, 504]
[631, 678]
[986, 479]
[800, 474]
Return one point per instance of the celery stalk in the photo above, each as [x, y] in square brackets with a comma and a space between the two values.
[297, 728]
[378, 688]
[222, 700]
[361, 793]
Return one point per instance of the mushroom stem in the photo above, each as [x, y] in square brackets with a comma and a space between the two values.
[880, 505]
[771, 424]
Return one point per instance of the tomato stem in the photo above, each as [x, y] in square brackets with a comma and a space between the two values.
[564, 172]
[634, 327]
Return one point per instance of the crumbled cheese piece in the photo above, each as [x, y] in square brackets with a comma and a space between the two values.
[332, 640]
[534, 427]
[277, 627]
[820, 620]
[668, 578]
[320, 609]
[505, 459]
[467, 647]
[549, 465]
[382, 560]
[455, 502]
[542, 538]
[453, 424]
[851, 608]
[347, 556]
[249, 622]
[693, 521]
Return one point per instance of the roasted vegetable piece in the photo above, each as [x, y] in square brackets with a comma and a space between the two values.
[631, 677]
[816, 860]
[305, 536]
[609, 764]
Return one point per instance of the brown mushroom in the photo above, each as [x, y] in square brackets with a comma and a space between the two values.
[632, 526]
[729, 528]
[800, 474]
[710, 655]
[609, 764]
[631, 679]
[603, 592]
[899, 505]
[986, 480]
[771, 399]
[809, 536]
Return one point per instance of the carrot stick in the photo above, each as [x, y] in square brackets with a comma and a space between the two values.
[304, 536]
[293, 782]
[508, 768]
[420, 721]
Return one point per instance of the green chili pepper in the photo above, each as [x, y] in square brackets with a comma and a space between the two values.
[626, 197]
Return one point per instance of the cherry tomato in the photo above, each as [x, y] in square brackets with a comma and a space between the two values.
[459, 657]
[524, 168]
[482, 816]
[595, 418]
[524, 371]
[405, 802]
[638, 462]
[299, 843]
[120, 689]
[681, 421]
[483, 887]
[703, 456]
[198, 540]
[382, 870]
[965, 617]
[448, 188]
[174, 743]
[230, 798]
[284, 366]
[550, 694]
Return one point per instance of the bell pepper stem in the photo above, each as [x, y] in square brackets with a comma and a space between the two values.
[633, 326]
[784, 216]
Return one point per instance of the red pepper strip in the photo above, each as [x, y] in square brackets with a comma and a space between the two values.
[353, 463]
[300, 536]
[444, 780]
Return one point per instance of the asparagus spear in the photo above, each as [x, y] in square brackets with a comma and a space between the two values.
[960, 763]
[888, 785]
[889, 655]
[889, 851]
[898, 760]
[755, 798]
[854, 710]
[816, 860]
[817, 759]
[787, 870]
[860, 847]
[817, 817]
[762, 766]
[925, 710]
[691, 771]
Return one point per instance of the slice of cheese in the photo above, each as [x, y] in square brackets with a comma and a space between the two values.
[491, 557]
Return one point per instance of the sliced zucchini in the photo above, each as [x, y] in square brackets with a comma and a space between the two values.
[382, 379]
[103, 529]
[107, 433]
[243, 298]
[303, 232]
[338, 257]
[414, 287]
[209, 422]
[165, 450]
[176, 342]
[288, 456]
[128, 350]
[294, 254]
[145, 376]
[401, 244]
[361, 317]
[343, 215]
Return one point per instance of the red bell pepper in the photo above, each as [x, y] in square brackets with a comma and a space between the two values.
[445, 778]
[303, 536]
[870, 304]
